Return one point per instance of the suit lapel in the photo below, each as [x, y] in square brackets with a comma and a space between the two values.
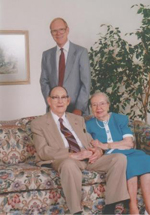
[74, 122]
[52, 127]
[70, 61]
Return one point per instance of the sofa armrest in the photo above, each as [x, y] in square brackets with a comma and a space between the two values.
[142, 135]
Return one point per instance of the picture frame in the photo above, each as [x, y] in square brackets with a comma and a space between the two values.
[14, 57]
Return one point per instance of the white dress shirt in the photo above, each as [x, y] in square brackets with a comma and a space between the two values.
[67, 125]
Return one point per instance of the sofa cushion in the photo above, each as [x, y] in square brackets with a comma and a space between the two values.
[16, 146]
[48, 202]
[23, 177]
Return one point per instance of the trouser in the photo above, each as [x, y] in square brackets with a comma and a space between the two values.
[70, 171]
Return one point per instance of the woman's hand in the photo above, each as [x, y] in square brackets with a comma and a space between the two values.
[97, 143]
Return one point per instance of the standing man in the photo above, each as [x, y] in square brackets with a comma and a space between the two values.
[61, 139]
[66, 65]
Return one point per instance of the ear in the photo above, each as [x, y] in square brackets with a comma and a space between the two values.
[68, 30]
[68, 100]
[48, 101]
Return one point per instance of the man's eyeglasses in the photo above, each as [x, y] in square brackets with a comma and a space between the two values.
[102, 104]
[57, 98]
[61, 31]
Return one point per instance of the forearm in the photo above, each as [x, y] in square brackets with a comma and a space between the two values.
[126, 143]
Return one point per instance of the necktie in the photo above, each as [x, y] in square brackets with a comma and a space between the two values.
[61, 68]
[73, 145]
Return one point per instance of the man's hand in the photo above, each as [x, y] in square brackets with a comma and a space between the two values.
[81, 155]
[96, 154]
[77, 112]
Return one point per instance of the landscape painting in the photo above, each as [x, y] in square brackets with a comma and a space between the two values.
[14, 57]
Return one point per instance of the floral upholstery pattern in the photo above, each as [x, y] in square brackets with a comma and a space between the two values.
[31, 190]
[142, 133]
[25, 177]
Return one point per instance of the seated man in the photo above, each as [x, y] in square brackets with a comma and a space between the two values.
[61, 140]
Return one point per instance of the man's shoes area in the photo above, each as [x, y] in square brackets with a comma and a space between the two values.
[109, 209]
[78, 213]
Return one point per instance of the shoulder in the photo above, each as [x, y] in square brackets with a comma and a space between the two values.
[77, 47]
[90, 121]
[49, 51]
[74, 116]
[39, 120]
[120, 118]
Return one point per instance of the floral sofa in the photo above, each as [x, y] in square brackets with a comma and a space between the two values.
[26, 189]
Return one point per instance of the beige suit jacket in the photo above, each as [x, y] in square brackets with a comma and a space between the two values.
[48, 141]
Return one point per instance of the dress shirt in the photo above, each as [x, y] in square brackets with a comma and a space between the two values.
[58, 52]
[67, 125]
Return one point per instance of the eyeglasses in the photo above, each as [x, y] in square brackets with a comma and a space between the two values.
[102, 104]
[61, 31]
[57, 98]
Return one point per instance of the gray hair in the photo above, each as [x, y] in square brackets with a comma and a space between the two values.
[99, 94]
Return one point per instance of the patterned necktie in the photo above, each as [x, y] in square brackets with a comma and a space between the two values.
[61, 68]
[73, 145]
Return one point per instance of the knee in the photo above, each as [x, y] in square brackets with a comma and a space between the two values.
[67, 165]
[120, 160]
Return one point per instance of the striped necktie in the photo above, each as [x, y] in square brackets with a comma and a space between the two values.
[73, 145]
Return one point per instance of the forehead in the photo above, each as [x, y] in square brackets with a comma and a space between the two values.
[99, 98]
[57, 24]
[58, 91]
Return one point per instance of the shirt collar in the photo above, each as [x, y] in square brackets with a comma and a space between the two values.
[56, 118]
[65, 47]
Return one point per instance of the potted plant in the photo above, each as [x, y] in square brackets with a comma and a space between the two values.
[122, 70]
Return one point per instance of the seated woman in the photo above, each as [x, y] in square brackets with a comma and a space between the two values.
[111, 133]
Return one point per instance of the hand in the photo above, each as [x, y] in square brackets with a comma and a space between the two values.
[97, 153]
[77, 112]
[97, 143]
[81, 155]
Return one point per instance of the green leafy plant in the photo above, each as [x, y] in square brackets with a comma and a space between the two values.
[122, 70]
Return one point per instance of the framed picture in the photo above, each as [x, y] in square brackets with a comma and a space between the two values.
[14, 57]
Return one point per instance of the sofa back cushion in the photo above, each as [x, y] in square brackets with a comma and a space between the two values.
[16, 142]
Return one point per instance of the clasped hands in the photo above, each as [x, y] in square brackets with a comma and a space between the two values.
[92, 154]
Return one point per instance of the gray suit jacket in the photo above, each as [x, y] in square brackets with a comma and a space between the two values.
[48, 141]
[77, 78]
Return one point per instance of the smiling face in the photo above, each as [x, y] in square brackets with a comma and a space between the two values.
[59, 31]
[58, 101]
[100, 106]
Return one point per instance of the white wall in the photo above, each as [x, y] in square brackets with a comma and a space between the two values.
[84, 18]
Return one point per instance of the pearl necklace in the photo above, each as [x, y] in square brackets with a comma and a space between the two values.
[105, 122]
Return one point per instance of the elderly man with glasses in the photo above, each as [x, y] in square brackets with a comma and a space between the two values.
[67, 65]
[61, 141]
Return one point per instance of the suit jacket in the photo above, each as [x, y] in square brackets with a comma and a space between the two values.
[48, 141]
[77, 78]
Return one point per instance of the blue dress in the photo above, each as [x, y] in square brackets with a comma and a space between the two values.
[138, 162]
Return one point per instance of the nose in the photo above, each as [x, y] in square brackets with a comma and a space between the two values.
[58, 33]
[99, 106]
[60, 100]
